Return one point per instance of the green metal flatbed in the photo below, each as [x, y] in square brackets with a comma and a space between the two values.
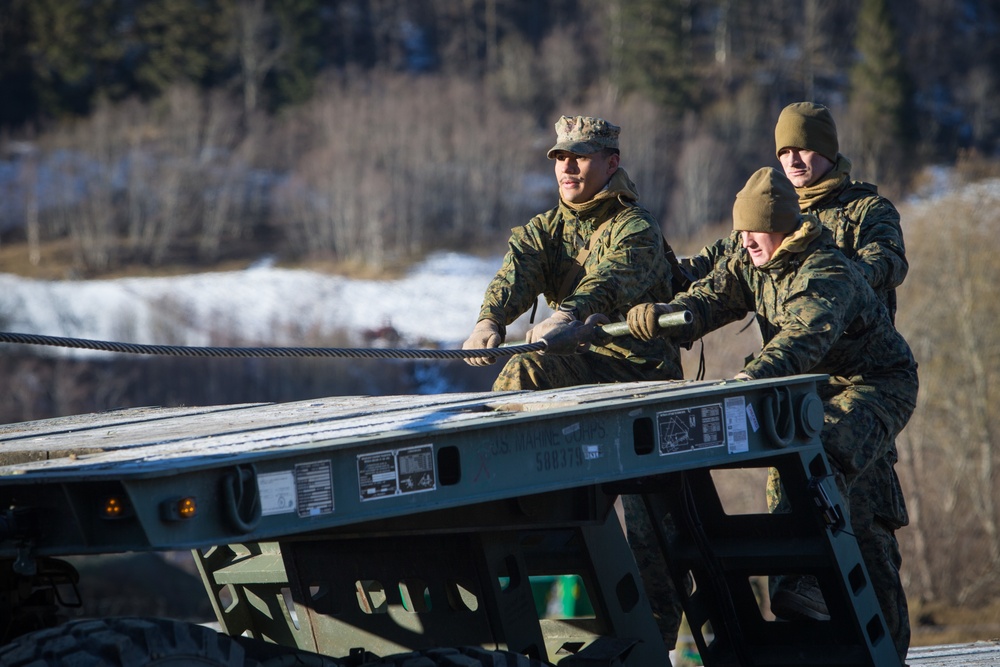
[401, 523]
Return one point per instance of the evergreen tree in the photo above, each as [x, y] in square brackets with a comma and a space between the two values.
[302, 24]
[880, 97]
[75, 50]
[649, 46]
[16, 89]
[182, 41]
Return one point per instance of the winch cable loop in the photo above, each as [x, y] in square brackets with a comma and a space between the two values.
[250, 352]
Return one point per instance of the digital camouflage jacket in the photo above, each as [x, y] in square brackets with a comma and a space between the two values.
[866, 228]
[626, 266]
[817, 314]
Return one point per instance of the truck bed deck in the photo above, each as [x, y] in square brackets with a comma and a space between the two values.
[195, 477]
[340, 460]
[974, 654]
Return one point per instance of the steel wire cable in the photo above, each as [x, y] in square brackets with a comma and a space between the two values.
[248, 352]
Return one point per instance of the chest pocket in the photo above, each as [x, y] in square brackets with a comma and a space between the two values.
[845, 231]
[573, 276]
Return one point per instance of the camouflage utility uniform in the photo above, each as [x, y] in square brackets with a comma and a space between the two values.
[817, 314]
[626, 266]
[865, 226]
[598, 256]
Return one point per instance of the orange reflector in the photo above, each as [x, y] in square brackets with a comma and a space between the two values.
[114, 508]
[179, 509]
[187, 508]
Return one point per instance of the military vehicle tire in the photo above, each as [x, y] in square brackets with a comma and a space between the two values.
[305, 659]
[463, 656]
[125, 642]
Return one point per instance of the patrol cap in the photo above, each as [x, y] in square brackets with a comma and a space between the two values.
[767, 203]
[583, 135]
[808, 126]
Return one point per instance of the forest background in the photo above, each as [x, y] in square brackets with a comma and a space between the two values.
[142, 137]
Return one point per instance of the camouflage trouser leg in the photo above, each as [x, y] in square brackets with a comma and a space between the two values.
[656, 577]
[880, 552]
[549, 371]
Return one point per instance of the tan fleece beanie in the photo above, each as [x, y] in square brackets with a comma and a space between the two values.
[808, 126]
[767, 203]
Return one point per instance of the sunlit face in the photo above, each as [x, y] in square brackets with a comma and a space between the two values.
[580, 177]
[761, 245]
[802, 167]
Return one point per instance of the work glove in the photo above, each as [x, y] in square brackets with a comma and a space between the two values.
[484, 335]
[642, 319]
[557, 319]
[576, 337]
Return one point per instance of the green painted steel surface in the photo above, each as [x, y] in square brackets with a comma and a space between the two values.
[366, 521]
[336, 461]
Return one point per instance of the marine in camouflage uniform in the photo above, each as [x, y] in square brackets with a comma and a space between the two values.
[865, 225]
[818, 314]
[603, 254]
[866, 228]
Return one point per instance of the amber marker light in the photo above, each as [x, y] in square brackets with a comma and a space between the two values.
[179, 509]
[113, 508]
[187, 508]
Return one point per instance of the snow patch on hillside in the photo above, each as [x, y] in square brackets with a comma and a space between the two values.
[436, 303]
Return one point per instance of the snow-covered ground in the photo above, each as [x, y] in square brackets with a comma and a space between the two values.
[436, 303]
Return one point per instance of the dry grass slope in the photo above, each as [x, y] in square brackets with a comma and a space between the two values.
[948, 460]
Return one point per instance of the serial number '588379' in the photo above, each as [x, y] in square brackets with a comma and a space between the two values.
[567, 457]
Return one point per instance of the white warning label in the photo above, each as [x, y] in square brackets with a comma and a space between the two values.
[396, 472]
[277, 492]
[736, 425]
[690, 429]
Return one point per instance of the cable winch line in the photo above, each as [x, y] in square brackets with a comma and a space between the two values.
[248, 352]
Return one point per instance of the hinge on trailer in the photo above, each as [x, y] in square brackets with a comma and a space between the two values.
[833, 515]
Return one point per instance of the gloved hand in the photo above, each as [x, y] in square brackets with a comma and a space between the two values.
[484, 335]
[557, 319]
[576, 337]
[642, 319]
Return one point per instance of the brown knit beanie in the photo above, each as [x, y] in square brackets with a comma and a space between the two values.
[767, 203]
[808, 126]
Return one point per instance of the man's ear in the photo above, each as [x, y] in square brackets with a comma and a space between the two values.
[613, 162]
